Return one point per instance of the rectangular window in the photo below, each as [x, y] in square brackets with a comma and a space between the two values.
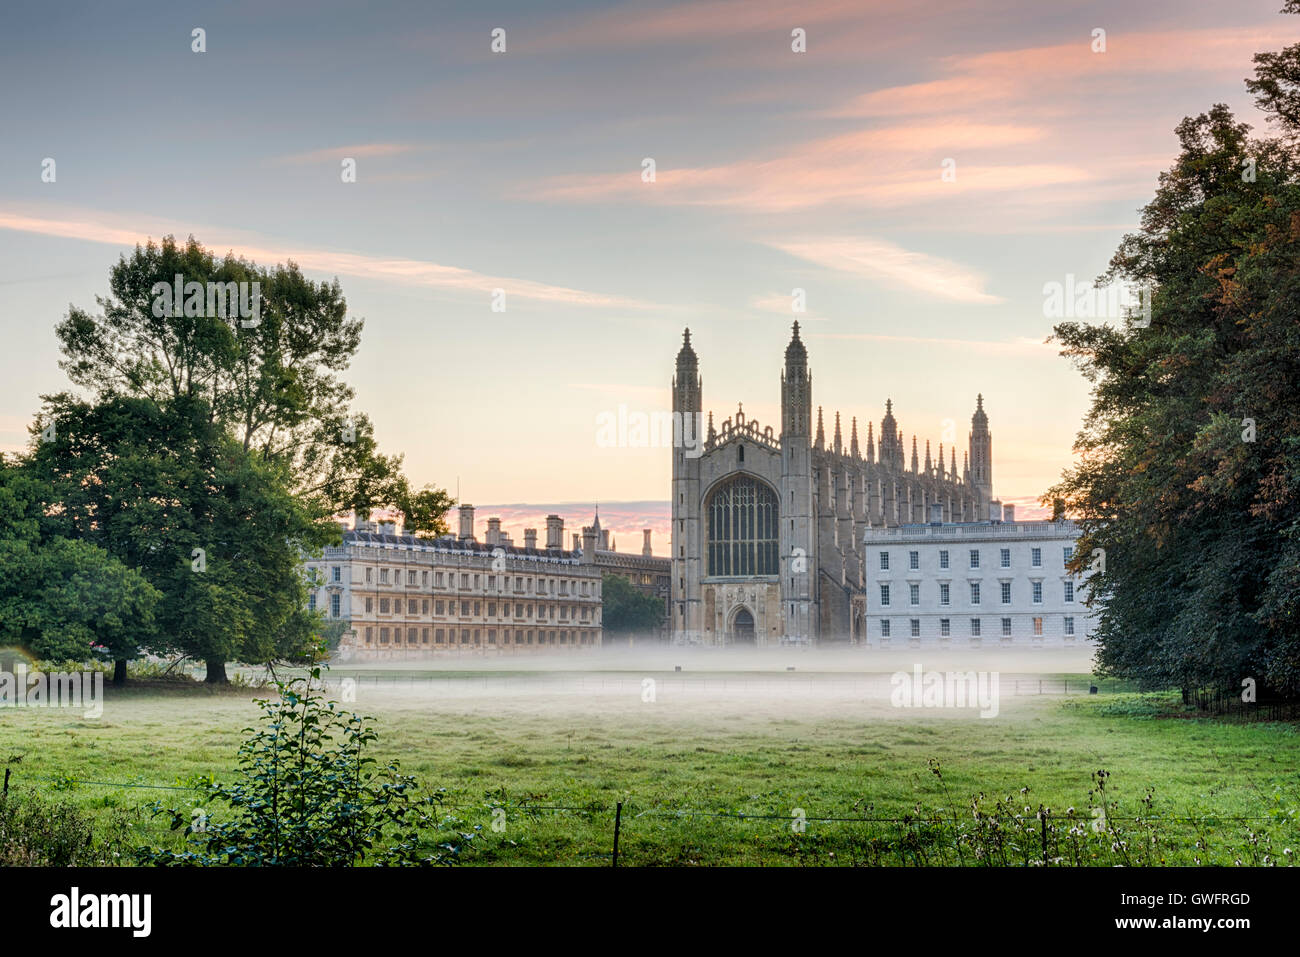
[370, 604]
[410, 606]
[424, 606]
[974, 593]
[884, 595]
[1005, 558]
[370, 574]
[1038, 627]
[884, 561]
[383, 606]
[974, 627]
[914, 560]
[1069, 592]
[492, 609]
[1038, 593]
[1066, 554]
[945, 628]
[974, 558]
[884, 628]
[1069, 626]
[383, 576]
[437, 608]
[338, 573]
[370, 635]
[914, 593]
[943, 593]
[311, 601]
[916, 627]
[943, 559]
[1036, 557]
[1006, 593]
[383, 636]
[1006, 627]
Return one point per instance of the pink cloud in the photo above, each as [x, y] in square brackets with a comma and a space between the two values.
[877, 260]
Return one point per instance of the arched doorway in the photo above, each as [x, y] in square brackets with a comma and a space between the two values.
[742, 628]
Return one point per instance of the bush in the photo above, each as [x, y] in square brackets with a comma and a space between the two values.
[307, 796]
[36, 832]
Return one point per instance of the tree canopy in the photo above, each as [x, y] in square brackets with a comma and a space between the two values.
[1188, 483]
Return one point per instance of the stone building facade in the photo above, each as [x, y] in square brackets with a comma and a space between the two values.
[975, 584]
[410, 597]
[768, 523]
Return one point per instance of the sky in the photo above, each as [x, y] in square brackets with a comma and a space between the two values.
[921, 171]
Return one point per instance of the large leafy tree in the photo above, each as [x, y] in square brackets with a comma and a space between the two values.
[1188, 485]
[216, 528]
[63, 598]
[227, 433]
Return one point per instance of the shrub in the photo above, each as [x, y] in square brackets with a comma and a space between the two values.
[308, 796]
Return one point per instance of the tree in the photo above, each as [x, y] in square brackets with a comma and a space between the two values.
[214, 527]
[625, 610]
[1188, 488]
[59, 597]
[221, 435]
[273, 381]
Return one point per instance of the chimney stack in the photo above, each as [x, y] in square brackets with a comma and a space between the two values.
[645, 545]
[554, 531]
[530, 538]
[493, 536]
[577, 542]
[588, 545]
[466, 523]
[1008, 513]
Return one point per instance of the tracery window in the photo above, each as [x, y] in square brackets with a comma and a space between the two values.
[742, 529]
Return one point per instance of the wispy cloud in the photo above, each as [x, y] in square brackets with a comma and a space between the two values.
[1019, 347]
[882, 261]
[410, 272]
[889, 166]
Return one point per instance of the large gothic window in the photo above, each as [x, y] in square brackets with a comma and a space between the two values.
[743, 529]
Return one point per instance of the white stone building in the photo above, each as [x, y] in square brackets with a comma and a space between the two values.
[973, 584]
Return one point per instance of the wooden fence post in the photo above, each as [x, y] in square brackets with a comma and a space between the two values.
[618, 820]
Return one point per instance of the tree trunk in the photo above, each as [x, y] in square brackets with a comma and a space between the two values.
[119, 672]
[217, 673]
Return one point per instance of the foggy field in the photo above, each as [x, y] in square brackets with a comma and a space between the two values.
[728, 735]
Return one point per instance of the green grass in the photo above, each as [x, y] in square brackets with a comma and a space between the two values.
[687, 756]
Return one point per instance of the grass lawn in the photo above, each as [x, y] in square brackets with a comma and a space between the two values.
[709, 748]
